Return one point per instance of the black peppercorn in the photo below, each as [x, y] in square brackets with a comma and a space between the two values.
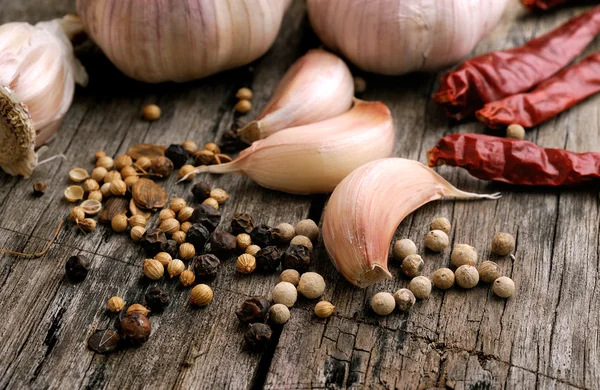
[242, 223]
[230, 141]
[39, 188]
[268, 259]
[206, 266]
[222, 244]
[162, 166]
[258, 337]
[261, 236]
[254, 309]
[135, 328]
[201, 191]
[77, 268]
[198, 236]
[177, 154]
[206, 215]
[104, 341]
[157, 299]
[296, 257]
[152, 241]
[171, 247]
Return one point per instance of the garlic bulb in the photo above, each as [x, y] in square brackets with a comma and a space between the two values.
[156, 41]
[315, 158]
[318, 86]
[38, 71]
[399, 36]
[368, 205]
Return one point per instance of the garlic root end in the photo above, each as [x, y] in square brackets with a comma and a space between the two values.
[375, 275]
[250, 132]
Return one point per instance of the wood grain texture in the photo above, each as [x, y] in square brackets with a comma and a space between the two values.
[547, 336]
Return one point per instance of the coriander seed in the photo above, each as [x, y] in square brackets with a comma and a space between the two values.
[504, 287]
[405, 299]
[403, 248]
[115, 304]
[252, 310]
[137, 233]
[143, 163]
[151, 112]
[246, 264]
[284, 232]
[420, 287]
[185, 214]
[279, 314]
[440, 223]
[437, 240]
[243, 106]
[488, 271]
[311, 285]
[212, 147]
[105, 190]
[244, 94]
[463, 254]
[118, 187]
[324, 309]
[308, 228]
[128, 172]
[258, 337]
[503, 244]
[137, 308]
[190, 146]
[106, 163]
[137, 220]
[179, 237]
[99, 154]
[169, 226]
[175, 267]
[303, 241]
[383, 303]
[131, 180]
[291, 276]
[187, 251]
[166, 214]
[211, 202]
[112, 176]
[186, 226]
[95, 195]
[98, 174]
[201, 295]
[119, 223]
[203, 157]
[123, 161]
[515, 131]
[187, 170]
[443, 278]
[39, 188]
[164, 258]
[90, 185]
[153, 269]
[76, 214]
[284, 293]
[187, 278]
[177, 204]
[467, 276]
[219, 195]
[243, 241]
[87, 225]
[412, 265]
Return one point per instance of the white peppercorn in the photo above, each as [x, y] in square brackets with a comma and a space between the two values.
[405, 299]
[284, 293]
[503, 244]
[420, 287]
[463, 254]
[279, 314]
[504, 287]
[383, 303]
[437, 240]
[488, 271]
[308, 228]
[311, 285]
[302, 240]
[412, 265]
[403, 248]
[443, 278]
[440, 223]
[467, 276]
[290, 275]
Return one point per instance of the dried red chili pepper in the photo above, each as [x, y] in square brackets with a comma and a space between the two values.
[549, 99]
[543, 4]
[499, 74]
[514, 161]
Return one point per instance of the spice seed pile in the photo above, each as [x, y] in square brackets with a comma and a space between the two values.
[463, 258]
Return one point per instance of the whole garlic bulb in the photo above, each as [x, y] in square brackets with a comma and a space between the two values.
[156, 41]
[38, 71]
[399, 36]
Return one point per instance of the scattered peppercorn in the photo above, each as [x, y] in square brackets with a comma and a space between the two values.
[420, 287]
[412, 265]
[201, 295]
[311, 285]
[279, 314]
[104, 341]
[252, 310]
[152, 242]
[171, 247]
[268, 259]
[201, 190]
[504, 287]
[443, 278]
[283, 232]
[515, 131]
[261, 235]
[115, 304]
[503, 244]
[437, 240]
[383, 303]
[206, 215]
[157, 299]
[222, 244]
[302, 240]
[290, 275]
[151, 112]
[177, 154]
[190, 146]
[39, 188]
[162, 166]
[258, 337]
[463, 254]
[466, 276]
[403, 248]
[206, 266]
[284, 293]
[488, 271]
[308, 228]
[296, 257]
[203, 157]
[230, 141]
[405, 299]
[135, 328]
[324, 309]
[242, 223]
[77, 268]
[198, 236]
[440, 223]
[243, 106]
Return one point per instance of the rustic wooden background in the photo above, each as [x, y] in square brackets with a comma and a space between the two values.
[547, 336]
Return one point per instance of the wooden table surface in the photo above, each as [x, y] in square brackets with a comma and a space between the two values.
[546, 336]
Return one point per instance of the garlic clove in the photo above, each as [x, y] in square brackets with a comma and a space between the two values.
[315, 158]
[318, 86]
[368, 205]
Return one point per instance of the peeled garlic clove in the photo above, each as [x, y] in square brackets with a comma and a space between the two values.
[366, 208]
[318, 86]
[314, 158]
[156, 41]
[38, 71]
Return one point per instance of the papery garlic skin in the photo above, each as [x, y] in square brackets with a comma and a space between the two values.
[317, 86]
[39, 68]
[365, 209]
[314, 158]
[394, 37]
[156, 41]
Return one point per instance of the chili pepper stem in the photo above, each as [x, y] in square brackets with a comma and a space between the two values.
[230, 167]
